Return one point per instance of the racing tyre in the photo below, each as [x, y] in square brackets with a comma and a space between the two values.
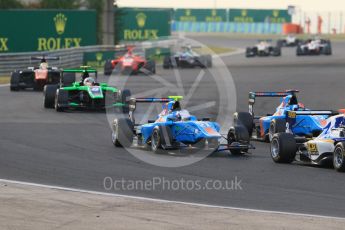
[108, 68]
[277, 52]
[283, 148]
[14, 84]
[49, 92]
[248, 52]
[68, 79]
[151, 66]
[299, 51]
[208, 59]
[167, 62]
[238, 134]
[125, 96]
[161, 137]
[339, 157]
[61, 100]
[244, 119]
[276, 126]
[122, 134]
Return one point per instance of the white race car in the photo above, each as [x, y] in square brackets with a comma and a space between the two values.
[314, 46]
[328, 146]
[263, 49]
[289, 41]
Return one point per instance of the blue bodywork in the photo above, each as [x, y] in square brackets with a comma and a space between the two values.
[303, 125]
[184, 127]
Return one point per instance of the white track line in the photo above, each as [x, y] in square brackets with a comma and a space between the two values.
[4, 85]
[168, 201]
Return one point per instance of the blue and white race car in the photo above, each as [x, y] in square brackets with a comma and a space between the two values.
[326, 147]
[176, 128]
[264, 127]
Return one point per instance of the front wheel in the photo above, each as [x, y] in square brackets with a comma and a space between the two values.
[338, 157]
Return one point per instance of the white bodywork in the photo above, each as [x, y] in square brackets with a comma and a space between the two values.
[325, 142]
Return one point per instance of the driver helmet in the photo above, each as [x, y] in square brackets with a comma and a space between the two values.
[43, 65]
[89, 81]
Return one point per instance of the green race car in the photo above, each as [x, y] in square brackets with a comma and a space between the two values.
[84, 94]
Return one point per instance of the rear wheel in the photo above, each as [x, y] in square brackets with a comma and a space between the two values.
[244, 119]
[151, 66]
[238, 134]
[167, 62]
[283, 148]
[108, 68]
[122, 133]
[339, 157]
[49, 92]
[276, 126]
[14, 84]
[68, 79]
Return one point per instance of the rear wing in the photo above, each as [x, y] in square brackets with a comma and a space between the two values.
[254, 95]
[40, 58]
[82, 69]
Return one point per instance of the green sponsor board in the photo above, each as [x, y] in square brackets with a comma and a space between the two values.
[135, 24]
[157, 53]
[97, 59]
[200, 15]
[43, 30]
[253, 16]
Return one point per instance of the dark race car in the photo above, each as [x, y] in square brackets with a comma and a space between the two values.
[187, 58]
[36, 77]
[131, 62]
[84, 94]
[314, 46]
[263, 49]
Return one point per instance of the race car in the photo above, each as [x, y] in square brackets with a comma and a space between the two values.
[84, 94]
[264, 127]
[327, 147]
[175, 128]
[36, 77]
[263, 49]
[314, 46]
[187, 58]
[131, 62]
[289, 41]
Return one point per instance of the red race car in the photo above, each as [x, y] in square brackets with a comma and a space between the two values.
[130, 63]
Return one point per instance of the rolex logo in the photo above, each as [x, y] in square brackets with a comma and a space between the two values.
[214, 12]
[141, 19]
[244, 13]
[158, 51]
[60, 23]
[99, 56]
[275, 13]
[188, 12]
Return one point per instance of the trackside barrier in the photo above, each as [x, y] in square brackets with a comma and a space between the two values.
[227, 27]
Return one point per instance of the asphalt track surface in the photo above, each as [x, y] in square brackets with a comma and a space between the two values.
[73, 149]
